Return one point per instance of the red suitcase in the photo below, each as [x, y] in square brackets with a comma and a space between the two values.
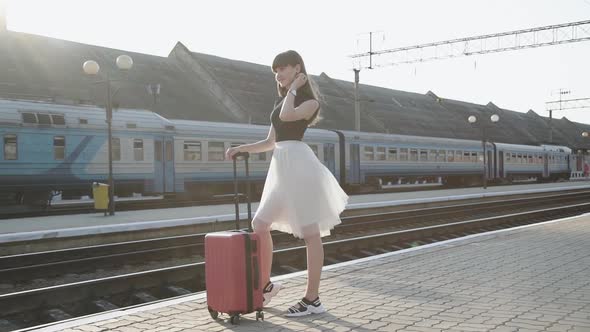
[232, 268]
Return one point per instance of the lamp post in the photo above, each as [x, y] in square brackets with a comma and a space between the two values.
[585, 167]
[473, 119]
[91, 67]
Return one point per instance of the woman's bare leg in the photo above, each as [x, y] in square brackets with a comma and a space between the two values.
[266, 246]
[315, 262]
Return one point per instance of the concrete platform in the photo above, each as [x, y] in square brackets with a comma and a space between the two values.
[530, 278]
[28, 229]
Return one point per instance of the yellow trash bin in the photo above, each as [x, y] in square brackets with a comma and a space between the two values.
[100, 191]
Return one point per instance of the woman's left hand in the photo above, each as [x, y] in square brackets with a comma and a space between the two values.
[299, 81]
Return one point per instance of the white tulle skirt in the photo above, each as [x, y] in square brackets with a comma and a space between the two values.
[300, 196]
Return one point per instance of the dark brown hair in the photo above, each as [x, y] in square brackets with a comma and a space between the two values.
[293, 58]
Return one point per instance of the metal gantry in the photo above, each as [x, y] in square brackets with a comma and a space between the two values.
[567, 104]
[491, 43]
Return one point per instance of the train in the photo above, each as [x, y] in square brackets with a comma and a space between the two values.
[50, 148]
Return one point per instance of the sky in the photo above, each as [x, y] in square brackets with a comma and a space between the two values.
[327, 32]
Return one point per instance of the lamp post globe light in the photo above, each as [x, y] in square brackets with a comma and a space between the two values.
[585, 134]
[91, 67]
[472, 119]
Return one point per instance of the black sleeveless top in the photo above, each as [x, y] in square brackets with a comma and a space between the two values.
[291, 130]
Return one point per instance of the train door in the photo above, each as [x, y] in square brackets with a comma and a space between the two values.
[158, 165]
[501, 164]
[355, 164]
[169, 164]
[491, 162]
[545, 165]
[329, 157]
[163, 164]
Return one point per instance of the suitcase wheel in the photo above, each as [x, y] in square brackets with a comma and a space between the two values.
[259, 315]
[214, 314]
[234, 319]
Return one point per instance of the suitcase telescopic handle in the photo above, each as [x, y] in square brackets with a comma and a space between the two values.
[246, 155]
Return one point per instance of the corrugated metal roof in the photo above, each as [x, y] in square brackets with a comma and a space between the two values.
[42, 68]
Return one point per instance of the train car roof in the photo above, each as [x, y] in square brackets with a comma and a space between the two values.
[556, 148]
[38, 113]
[190, 126]
[385, 138]
[519, 147]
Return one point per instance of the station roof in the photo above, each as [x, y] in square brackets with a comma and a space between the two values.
[198, 86]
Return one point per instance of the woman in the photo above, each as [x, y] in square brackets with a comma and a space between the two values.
[300, 194]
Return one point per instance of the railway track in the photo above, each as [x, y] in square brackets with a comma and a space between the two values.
[388, 232]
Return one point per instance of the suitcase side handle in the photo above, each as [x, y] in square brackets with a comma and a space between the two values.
[256, 272]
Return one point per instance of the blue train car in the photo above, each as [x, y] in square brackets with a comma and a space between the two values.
[63, 148]
[526, 162]
[378, 159]
[49, 147]
[200, 167]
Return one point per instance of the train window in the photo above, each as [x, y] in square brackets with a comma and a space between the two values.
[413, 154]
[423, 155]
[192, 150]
[29, 118]
[432, 155]
[58, 119]
[514, 158]
[131, 125]
[138, 149]
[519, 159]
[157, 150]
[479, 157]
[451, 156]
[474, 157]
[169, 150]
[530, 159]
[380, 153]
[215, 152]
[391, 154]
[44, 119]
[540, 159]
[369, 153]
[116, 148]
[258, 156]
[59, 147]
[441, 155]
[508, 157]
[403, 154]
[458, 156]
[466, 155]
[10, 147]
[83, 121]
[314, 148]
